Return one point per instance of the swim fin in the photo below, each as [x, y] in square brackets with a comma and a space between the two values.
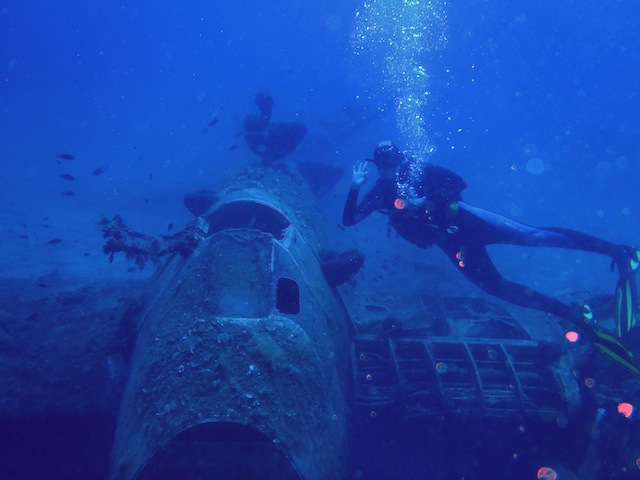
[626, 301]
[627, 294]
[611, 346]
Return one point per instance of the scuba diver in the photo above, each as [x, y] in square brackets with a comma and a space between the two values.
[425, 207]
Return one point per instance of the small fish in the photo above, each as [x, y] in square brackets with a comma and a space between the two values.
[98, 171]
[66, 156]
[54, 241]
[212, 123]
[24, 237]
[33, 316]
[44, 225]
[43, 285]
[68, 193]
[233, 147]
[86, 254]
[150, 176]
[169, 227]
[67, 176]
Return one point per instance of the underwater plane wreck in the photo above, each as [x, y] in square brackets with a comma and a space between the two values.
[241, 360]
[257, 352]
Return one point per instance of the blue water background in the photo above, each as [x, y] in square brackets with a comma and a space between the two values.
[131, 87]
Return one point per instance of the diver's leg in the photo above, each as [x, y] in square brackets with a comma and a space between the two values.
[497, 229]
[475, 264]
[490, 228]
[575, 240]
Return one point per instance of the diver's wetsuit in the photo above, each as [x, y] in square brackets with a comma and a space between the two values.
[464, 232]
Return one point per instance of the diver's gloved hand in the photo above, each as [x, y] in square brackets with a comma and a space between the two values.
[360, 175]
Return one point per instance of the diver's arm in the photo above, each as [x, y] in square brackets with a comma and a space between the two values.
[349, 214]
[376, 199]
[353, 213]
